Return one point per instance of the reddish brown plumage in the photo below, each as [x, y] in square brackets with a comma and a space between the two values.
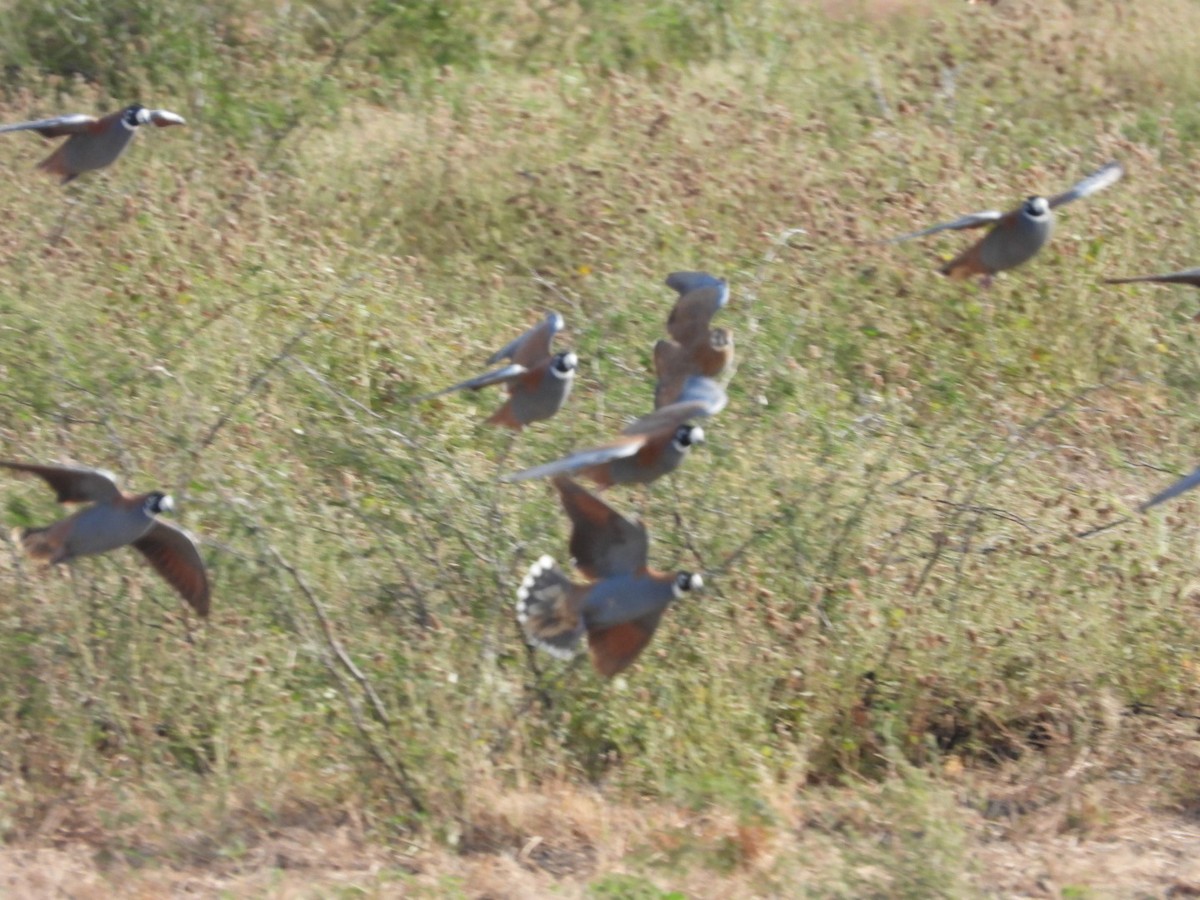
[600, 475]
[694, 347]
[970, 261]
[115, 520]
[966, 264]
[104, 123]
[619, 617]
[674, 363]
[615, 649]
[56, 164]
[506, 418]
[46, 543]
[174, 557]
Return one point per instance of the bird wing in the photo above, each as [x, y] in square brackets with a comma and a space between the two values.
[603, 542]
[164, 118]
[686, 282]
[692, 314]
[594, 456]
[616, 647]
[73, 484]
[701, 397]
[59, 126]
[174, 556]
[533, 346]
[497, 376]
[1183, 484]
[1106, 176]
[971, 220]
[1187, 276]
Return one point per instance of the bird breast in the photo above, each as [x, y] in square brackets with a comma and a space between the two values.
[97, 529]
[643, 468]
[1008, 247]
[625, 598]
[88, 151]
[541, 401]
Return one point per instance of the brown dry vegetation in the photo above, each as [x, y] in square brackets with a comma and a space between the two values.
[909, 675]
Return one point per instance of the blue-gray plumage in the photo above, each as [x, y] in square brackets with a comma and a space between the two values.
[1183, 484]
[538, 383]
[620, 609]
[115, 520]
[92, 143]
[651, 447]
[1015, 236]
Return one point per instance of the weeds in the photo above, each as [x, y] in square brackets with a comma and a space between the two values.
[888, 514]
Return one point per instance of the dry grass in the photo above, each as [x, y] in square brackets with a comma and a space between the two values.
[1116, 820]
[909, 676]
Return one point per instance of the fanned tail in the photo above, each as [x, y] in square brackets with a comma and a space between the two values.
[548, 610]
[38, 543]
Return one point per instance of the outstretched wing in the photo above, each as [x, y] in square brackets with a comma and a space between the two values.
[581, 459]
[59, 126]
[533, 346]
[163, 118]
[604, 543]
[487, 379]
[1106, 176]
[1183, 484]
[686, 282]
[971, 220]
[72, 484]
[701, 397]
[692, 314]
[615, 648]
[1187, 276]
[175, 557]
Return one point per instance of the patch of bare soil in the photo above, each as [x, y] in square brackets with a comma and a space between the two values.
[1122, 820]
[1119, 818]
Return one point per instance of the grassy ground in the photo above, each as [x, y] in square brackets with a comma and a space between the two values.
[908, 675]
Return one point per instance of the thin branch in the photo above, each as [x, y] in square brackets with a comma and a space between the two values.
[261, 376]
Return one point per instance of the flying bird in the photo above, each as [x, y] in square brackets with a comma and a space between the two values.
[694, 347]
[1187, 276]
[1183, 484]
[92, 143]
[619, 608]
[1015, 236]
[538, 382]
[649, 448]
[113, 520]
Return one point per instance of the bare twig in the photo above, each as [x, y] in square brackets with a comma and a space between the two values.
[339, 656]
[261, 376]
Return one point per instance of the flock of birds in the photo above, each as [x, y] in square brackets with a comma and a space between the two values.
[621, 604]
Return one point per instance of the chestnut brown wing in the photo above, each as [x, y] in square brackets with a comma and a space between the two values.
[174, 556]
[603, 542]
[72, 484]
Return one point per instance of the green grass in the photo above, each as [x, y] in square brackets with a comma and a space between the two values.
[365, 204]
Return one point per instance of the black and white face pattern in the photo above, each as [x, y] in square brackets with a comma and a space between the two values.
[134, 116]
[1036, 207]
[564, 364]
[687, 435]
[686, 581]
[157, 502]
